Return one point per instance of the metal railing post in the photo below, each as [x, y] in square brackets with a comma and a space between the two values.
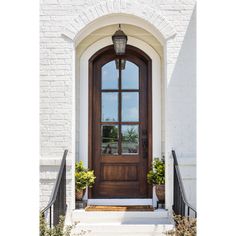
[180, 201]
[57, 203]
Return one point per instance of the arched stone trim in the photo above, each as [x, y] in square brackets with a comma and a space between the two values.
[129, 7]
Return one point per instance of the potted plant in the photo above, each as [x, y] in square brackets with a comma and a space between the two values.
[156, 177]
[83, 178]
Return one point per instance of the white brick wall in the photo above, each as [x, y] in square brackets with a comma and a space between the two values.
[181, 99]
[67, 17]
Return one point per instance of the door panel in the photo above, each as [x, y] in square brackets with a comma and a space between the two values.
[119, 172]
[119, 126]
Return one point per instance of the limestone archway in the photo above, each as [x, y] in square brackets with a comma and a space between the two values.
[153, 20]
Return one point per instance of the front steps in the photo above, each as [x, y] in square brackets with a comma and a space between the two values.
[121, 223]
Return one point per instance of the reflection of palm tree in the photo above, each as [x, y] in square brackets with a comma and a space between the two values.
[131, 135]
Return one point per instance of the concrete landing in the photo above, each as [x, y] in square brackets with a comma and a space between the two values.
[121, 223]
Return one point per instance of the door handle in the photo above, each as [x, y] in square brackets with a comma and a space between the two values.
[144, 143]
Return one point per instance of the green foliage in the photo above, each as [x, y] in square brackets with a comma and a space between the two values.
[156, 176]
[185, 226]
[83, 177]
[57, 230]
[110, 134]
[131, 135]
[79, 167]
[42, 226]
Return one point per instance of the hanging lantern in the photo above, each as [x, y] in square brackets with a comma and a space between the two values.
[119, 39]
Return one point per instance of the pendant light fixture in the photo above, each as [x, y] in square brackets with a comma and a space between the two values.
[119, 39]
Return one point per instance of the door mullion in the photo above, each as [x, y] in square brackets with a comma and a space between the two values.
[119, 112]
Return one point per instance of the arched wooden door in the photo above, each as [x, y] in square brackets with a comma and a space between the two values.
[120, 138]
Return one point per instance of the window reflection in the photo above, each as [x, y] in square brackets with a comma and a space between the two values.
[130, 76]
[110, 76]
[119, 106]
[130, 139]
[109, 106]
[130, 106]
[109, 139]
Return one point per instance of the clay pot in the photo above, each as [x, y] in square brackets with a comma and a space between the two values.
[79, 194]
[160, 192]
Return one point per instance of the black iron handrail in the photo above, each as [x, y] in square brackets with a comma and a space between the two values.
[57, 202]
[180, 201]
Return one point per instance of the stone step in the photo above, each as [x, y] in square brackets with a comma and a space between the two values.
[116, 229]
[134, 217]
[114, 223]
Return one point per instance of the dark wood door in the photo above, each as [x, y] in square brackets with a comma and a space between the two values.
[119, 128]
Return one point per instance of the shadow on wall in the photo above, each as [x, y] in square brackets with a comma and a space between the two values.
[182, 96]
[182, 109]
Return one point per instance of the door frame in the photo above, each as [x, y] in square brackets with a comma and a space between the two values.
[139, 53]
[81, 90]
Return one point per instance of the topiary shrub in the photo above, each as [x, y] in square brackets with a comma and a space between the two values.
[83, 177]
[156, 176]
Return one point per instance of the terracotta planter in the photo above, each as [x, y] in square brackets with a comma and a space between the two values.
[160, 192]
[79, 194]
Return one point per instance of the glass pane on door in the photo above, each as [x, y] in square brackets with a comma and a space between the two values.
[130, 139]
[130, 76]
[110, 76]
[130, 106]
[109, 106]
[109, 137]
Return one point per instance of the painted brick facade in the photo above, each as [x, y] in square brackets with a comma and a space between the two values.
[61, 21]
